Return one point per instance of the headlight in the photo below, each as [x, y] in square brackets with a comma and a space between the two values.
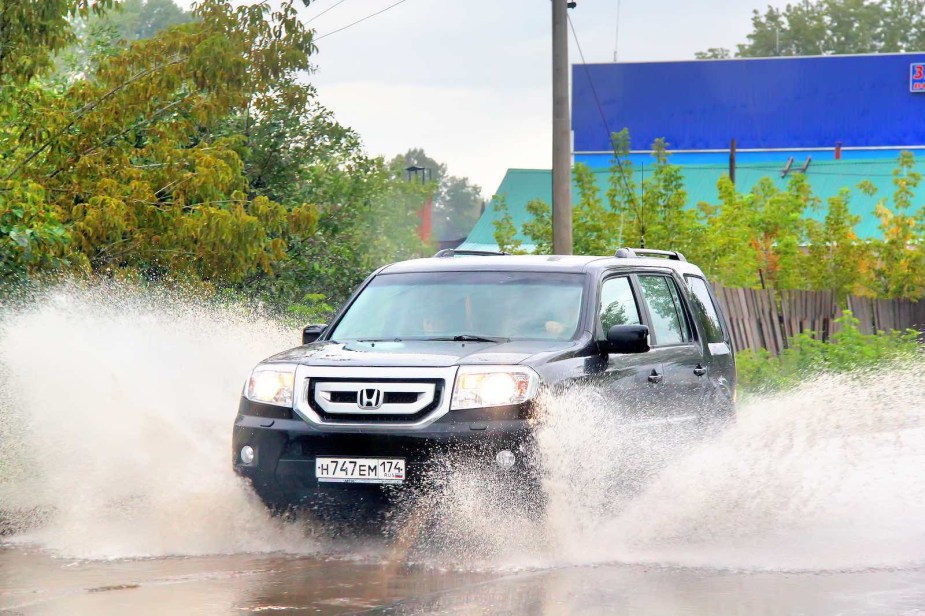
[484, 386]
[271, 384]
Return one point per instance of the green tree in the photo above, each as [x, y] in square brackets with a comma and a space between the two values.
[714, 53]
[457, 202]
[836, 258]
[753, 240]
[655, 212]
[826, 27]
[100, 34]
[505, 229]
[32, 31]
[141, 19]
[900, 269]
[128, 162]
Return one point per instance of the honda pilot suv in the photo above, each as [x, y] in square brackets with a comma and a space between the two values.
[453, 353]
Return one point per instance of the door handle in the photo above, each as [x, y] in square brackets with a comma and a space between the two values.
[655, 377]
[700, 370]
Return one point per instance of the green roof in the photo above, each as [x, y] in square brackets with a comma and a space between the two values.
[827, 178]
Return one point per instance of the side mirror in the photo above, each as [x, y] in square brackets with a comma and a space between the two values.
[312, 333]
[627, 339]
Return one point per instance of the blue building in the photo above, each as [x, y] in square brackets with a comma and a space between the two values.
[843, 118]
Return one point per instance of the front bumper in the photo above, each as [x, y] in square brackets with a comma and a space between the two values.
[285, 447]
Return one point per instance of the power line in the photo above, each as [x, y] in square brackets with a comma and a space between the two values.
[600, 109]
[391, 6]
[333, 6]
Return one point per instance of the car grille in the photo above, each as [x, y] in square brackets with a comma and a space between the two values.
[338, 400]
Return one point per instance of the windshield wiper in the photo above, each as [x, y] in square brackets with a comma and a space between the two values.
[379, 340]
[470, 338]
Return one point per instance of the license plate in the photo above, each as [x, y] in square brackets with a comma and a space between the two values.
[360, 470]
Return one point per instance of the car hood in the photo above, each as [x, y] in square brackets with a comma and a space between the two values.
[414, 353]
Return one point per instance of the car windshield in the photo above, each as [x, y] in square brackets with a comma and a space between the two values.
[446, 305]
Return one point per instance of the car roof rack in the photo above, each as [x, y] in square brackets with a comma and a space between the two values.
[456, 252]
[630, 253]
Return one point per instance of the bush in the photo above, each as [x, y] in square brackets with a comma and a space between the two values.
[848, 350]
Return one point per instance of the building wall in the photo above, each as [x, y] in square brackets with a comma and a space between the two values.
[794, 104]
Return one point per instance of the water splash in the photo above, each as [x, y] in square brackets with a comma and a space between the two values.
[116, 409]
[115, 418]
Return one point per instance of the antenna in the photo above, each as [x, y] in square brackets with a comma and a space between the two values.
[616, 42]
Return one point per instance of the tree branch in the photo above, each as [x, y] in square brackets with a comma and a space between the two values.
[84, 111]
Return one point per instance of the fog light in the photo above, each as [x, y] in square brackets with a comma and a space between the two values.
[505, 459]
[247, 454]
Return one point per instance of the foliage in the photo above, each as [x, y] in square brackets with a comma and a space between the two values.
[198, 153]
[32, 239]
[457, 202]
[838, 260]
[825, 27]
[505, 229]
[313, 308]
[753, 240]
[653, 212]
[762, 238]
[714, 53]
[900, 269]
[100, 34]
[32, 31]
[848, 350]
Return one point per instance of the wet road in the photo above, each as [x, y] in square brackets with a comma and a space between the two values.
[32, 582]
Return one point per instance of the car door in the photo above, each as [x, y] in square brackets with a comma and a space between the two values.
[629, 384]
[675, 347]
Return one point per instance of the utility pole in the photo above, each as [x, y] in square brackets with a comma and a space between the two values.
[561, 133]
[733, 149]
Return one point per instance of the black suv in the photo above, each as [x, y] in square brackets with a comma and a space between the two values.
[452, 352]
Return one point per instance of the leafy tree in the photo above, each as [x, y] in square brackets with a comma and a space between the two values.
[505, 229]
[653, 213]
[127, 160]
[753, 240]
[457, 202]
[900, 269]
[836, 258]
[100, 34]
[32, 238]
[141, 19]
[827, 27]
[32, 31]
[714, 53]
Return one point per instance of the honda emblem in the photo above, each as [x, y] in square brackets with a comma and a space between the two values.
[369, 398]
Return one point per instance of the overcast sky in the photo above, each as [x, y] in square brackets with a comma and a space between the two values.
[469, 80]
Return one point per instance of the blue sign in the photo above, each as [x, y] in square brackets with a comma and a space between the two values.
[764, 104]
[917, 77]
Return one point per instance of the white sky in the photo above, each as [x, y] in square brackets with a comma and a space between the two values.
[469, 80]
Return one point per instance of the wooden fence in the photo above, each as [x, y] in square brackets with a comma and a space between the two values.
[766, 319]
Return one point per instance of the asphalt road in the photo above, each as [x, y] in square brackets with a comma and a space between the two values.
[33, 582]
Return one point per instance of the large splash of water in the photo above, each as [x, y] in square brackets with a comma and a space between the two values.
[829, 476]
[115, 415]
[116, 411]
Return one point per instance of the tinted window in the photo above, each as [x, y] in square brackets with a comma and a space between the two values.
[420, 306]
[618, 306]
[702, 304]
[668, 322]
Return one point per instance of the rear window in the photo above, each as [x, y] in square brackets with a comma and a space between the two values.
[705, 310]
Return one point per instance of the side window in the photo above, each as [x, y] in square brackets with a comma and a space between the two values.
[668, 320]
[702, 304]
[618, 306]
